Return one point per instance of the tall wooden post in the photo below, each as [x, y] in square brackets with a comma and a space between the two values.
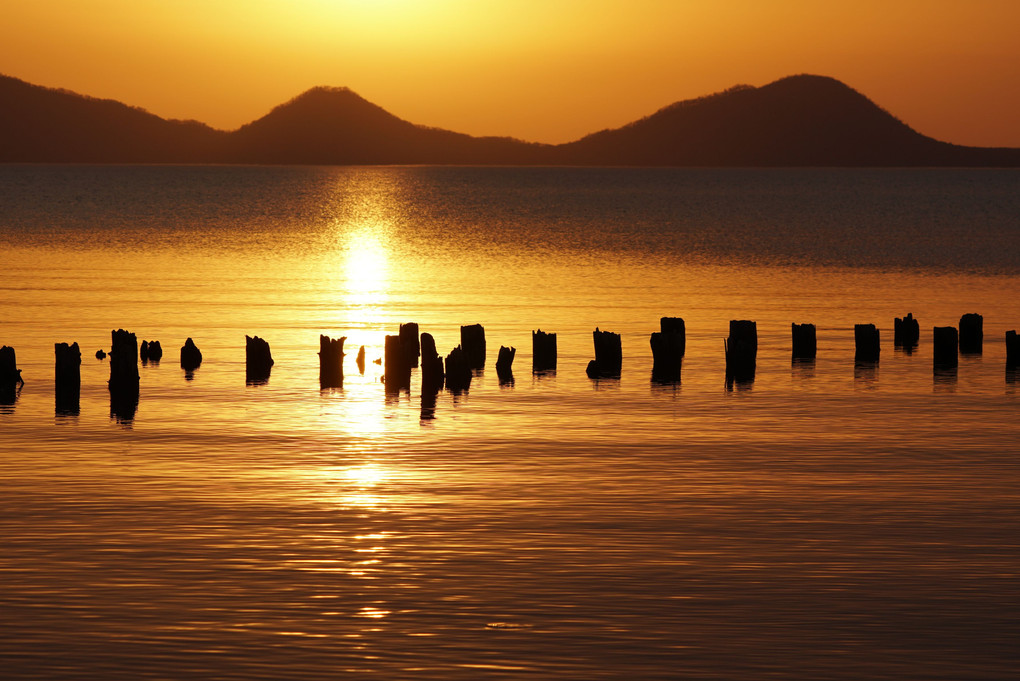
[258, 359]
[741, 350]
[867, 343]
[543, 350]
[409, 342]
[971, 334]
[432, 374]
[945, 343]
[472, 340]
[331, 361]
[805, 344]
[67, 377]
[608, 360]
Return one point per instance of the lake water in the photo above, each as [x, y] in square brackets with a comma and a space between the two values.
[827, 521]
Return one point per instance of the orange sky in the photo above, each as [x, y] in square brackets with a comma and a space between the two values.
[541, 70]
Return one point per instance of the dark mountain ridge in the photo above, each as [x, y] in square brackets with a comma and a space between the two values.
[796, 121]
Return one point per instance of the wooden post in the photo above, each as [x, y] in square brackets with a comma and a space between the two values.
[9, 372]
[10, 376]
[971, 334]
[151, 351]
[361, 360]
[906, 332]
[504, 364]
[123, 362]
[1012, 350]
[543, 351]
[945, 342]
[458, 373]
[867, 343]
[432, 374]
[675, 325]
[67, 377]
[472, 340]
[396, 372]
[741, 350]
[608, 355]
[331, 361]
[124, 379]
[668, 347]
[805, 344]
[191, 356]
[258, 359]
[409, 342]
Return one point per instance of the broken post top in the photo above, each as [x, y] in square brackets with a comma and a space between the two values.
[672, 325]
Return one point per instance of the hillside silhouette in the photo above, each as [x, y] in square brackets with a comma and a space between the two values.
[796, 121]
[42, 125]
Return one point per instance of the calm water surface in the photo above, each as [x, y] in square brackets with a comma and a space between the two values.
[826, 521]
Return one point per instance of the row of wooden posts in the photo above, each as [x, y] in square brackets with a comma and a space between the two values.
[402, 353]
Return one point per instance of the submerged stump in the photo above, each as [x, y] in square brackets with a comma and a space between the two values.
[504, 364]
[805, 343]
[151, 351]
[191, 356]
[543, 351]
[945, 342]
[972, 334]
[360, 361]
[608, 355]
[258, 359]
[866, 343]
[741, 348]
[1012, 350]
[458, 371]
[331, 361]
[10, 376]
[432, 373]
[906, 332]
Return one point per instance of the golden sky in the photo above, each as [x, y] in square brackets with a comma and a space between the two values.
[540, 70]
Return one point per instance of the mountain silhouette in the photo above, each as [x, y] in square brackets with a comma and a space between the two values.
[42, 125]
[800, 120]
[796, 121]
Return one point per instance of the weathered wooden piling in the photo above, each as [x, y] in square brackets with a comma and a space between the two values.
[906, 331]
[543, 351]
[9, 371]
[945, 342]
[472, 340]
[258, 359]
[504, 364]
[432, 374]
[676, 326]
[67, 377]
[396, 372]
[458, 371]
[972, 334]
[741, 350]
[1012, 350]
[123, 362]
[331, 361]
[361, 360]
[805, 343]
[150, 351]
[867, 343]
[608, 355]
[10, 376]
[409, 342]
[668, 347]
[191, 356]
